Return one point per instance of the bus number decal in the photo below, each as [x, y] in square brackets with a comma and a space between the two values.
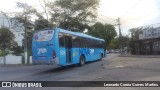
[62, 52]
[42, 50]
[84, 51]
[91, 51]
[88, 51]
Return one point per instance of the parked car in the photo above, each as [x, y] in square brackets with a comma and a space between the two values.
[117, 51]
[107, 52]
[111, 51]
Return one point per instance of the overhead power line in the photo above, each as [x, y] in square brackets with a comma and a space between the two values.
[108, 20]
[142, 17]
[127, 12]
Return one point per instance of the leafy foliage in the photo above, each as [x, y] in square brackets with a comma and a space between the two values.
[73, 15]
[24, 18]
[104, 31]
[125, 41]
[41, 24]
[114, 44]
[135, 33]
[76, 11]
[6, 37]
[17, 50]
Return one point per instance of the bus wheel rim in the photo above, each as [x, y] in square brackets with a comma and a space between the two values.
[82, 61]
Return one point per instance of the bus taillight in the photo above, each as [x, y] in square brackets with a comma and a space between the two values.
[54, 54]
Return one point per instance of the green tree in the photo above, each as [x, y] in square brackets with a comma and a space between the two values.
[6, 38]
[73, 15]
[113, 44]
[17, 50]
[126, 41]
[135, 33]
[104, 31]
[76, 11]
[41, 24]
[24, 18]
[74, 26]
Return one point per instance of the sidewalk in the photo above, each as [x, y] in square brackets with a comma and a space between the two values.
[141, 56]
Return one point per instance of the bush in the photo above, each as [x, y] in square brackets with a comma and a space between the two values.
[17, 50]
[2, 54]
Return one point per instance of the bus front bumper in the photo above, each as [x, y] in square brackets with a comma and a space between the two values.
[46, 62]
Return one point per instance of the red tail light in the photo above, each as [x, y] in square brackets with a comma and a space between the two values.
[54, 54]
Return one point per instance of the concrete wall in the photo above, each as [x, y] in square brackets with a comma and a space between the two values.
[1, 60]
[30, 59]
[10, 59]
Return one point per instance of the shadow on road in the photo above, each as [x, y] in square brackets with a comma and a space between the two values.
[66, 68]
[58, 69]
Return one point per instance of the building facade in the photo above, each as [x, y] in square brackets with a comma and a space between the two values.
[17, 30]
[148, 42]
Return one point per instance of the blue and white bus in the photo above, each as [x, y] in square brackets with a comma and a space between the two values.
[62, 47]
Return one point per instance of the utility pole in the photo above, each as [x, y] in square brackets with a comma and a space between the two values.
[25, 40]
[119, 25]
[120, 36]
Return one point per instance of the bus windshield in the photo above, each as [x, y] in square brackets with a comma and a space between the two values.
[45, 35]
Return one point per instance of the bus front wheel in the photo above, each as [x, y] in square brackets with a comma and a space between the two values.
[82, 61]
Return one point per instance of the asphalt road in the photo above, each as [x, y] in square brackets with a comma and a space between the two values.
[51, 72]
[112, 68]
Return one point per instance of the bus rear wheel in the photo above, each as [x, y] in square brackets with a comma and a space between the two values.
[101, 57]
[82, 61]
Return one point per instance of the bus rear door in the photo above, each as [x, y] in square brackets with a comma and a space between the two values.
[65, 44]
[68, 46]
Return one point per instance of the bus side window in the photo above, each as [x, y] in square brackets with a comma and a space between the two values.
[76, 41]
[104, 45]
[95, 45]
[100, 44]
[91, 43]
[88, 43]
[84, 41]
[61, 40]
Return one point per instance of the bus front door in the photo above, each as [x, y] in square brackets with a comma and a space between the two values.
[68, 46]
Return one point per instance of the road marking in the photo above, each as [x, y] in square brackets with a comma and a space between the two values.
[119, 66]
[100, 77]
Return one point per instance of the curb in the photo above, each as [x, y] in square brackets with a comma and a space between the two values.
[15, 65]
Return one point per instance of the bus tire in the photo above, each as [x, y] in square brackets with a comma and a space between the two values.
[82, 61]
[101, 57]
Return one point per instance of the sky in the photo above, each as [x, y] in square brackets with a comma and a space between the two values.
[132, 13]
